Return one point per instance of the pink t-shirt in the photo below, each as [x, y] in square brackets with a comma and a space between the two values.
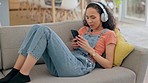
[106, 38]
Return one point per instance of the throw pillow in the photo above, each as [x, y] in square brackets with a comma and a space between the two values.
[122, 49]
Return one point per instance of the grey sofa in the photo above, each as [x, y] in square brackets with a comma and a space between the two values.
[132, 70]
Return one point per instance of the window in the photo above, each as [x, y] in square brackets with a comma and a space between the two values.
[135, 9]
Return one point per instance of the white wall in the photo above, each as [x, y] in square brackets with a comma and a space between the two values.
[4, 13]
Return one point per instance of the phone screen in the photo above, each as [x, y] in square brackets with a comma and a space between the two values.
[74, 33]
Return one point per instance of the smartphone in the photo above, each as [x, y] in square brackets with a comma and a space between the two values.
[74, 33]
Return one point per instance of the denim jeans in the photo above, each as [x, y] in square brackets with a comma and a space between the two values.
[60, 61]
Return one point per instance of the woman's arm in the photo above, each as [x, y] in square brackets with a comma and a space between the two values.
[104, 62]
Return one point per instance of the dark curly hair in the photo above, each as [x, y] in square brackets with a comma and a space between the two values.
[109, 24]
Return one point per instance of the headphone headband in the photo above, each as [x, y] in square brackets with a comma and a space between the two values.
[104, 15]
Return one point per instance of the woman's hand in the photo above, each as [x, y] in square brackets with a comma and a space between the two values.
[74, 43]
[83, 43]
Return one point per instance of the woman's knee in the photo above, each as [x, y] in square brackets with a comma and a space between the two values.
[41, 27]
[36, 27]
[45, 29]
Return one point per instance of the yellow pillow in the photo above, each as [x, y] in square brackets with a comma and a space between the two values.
[122, 49]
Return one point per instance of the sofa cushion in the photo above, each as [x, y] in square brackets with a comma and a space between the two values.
[122, 50]
[40, 74]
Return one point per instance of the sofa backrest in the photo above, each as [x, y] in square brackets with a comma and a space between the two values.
[13, 36]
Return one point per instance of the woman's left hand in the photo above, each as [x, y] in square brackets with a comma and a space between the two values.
[83, 43]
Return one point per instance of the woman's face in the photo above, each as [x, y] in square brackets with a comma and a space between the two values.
[93, 18]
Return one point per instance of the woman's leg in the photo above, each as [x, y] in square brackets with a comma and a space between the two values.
[20, 61]
[34, 50]
[28, 65]
[22, 55]
[24, 47]
[27, 41]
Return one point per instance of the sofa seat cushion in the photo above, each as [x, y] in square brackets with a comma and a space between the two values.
[39, 74]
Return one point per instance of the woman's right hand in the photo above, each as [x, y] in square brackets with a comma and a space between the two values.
[74, 43]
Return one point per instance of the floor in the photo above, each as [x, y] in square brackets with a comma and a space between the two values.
[132, 29]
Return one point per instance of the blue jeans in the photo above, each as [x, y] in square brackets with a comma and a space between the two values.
[42, 41]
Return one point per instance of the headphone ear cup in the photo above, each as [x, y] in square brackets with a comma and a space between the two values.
[103, 17]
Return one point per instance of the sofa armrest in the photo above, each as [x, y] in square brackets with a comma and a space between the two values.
[137, 61]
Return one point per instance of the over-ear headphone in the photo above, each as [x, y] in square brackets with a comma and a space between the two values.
[104, 15]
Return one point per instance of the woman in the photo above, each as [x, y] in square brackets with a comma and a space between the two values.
[94, 39]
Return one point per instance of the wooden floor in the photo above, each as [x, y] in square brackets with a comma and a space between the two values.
[15, 19]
